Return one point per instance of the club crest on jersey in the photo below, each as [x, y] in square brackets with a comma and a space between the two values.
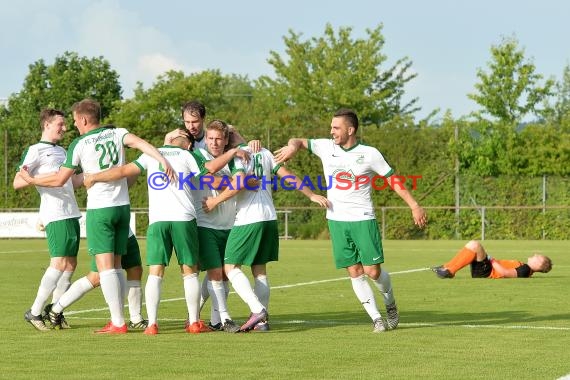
[344, 175]
[360, 159]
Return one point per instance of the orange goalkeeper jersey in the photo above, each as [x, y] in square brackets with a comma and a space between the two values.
[523, 270]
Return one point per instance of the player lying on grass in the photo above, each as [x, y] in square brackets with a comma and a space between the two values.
[484, 266]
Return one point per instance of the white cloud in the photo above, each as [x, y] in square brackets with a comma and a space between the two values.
[152, 65]
[138, 52]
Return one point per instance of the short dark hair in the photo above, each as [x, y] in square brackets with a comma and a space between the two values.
[349, 115]
[219, 125]
[89, 108]
[194, 107]
[47, 115]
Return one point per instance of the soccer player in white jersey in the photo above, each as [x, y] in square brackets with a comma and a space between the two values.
[213, 230]
[172, 222]
[254, 238]
[356, 241]
[108, 207]
[58, 212]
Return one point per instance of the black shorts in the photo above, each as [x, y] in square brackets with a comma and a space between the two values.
[481, 269]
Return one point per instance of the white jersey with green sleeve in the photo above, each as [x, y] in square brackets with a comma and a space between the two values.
[349, 203]
[57, 203]
[256, 206]
[223, 216]
[169, 201]
[95, 151]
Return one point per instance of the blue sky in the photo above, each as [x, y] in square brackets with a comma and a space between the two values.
[446, 40]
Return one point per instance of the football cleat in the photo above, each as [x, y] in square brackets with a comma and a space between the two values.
[392, 316]
[36, 320]
[141, 325]
[230, 326]
[197, 328]
[261, 327]
[151, 330]
[378, 326]
[442, 272]
[110, 328]
[254, 319]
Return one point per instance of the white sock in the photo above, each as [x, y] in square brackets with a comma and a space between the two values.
[243, 288]
[365, 295]
[384, 284]
[134, 297]
[152, 296]
[47, 285]
[204, 291]
[77, 290]
[192, 295]
[63, 284]
[262, 290]
[111, 287]
[123, 281]
[219, 307]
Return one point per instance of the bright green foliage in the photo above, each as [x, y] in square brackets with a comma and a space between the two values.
[511, 89]
[560, 110]
[69, 79]
[323, 74]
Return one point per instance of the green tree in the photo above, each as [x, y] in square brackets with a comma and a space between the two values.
[325, 73]
[561, 107]
[69, 79]
[510, 89]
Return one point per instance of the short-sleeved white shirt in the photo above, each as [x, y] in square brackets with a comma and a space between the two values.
[223, 216]
[349, 203]
[256, 206]
[96, 151]
[174, 202]
[57, 203]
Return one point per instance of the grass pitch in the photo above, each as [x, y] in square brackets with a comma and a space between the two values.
[460, 328]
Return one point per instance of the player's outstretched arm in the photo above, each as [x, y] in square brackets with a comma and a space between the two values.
[57, 179]
[210, 203]
[293, 180]
[418, 213]
[133, 141]
[215, 165]
[504, 272]
[288, 151]
[113, 174]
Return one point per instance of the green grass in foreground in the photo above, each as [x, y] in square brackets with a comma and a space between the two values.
[461, 328]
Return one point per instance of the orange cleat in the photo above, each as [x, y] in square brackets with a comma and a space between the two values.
[197, 328]
[110, 328]
[151, 330]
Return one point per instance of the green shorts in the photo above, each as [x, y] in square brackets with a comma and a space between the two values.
[130, 260]
[356, 242]
[108, 229]
[253, 244]
[161, 237]
[63, 237]
[212, 247]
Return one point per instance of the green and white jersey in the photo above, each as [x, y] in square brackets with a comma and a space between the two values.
[95, 151]
[223, 216]
[168, 201]
[349, 202]
[57, 203]
[256, 206]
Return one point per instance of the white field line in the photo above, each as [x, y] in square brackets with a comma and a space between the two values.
[273, 287]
